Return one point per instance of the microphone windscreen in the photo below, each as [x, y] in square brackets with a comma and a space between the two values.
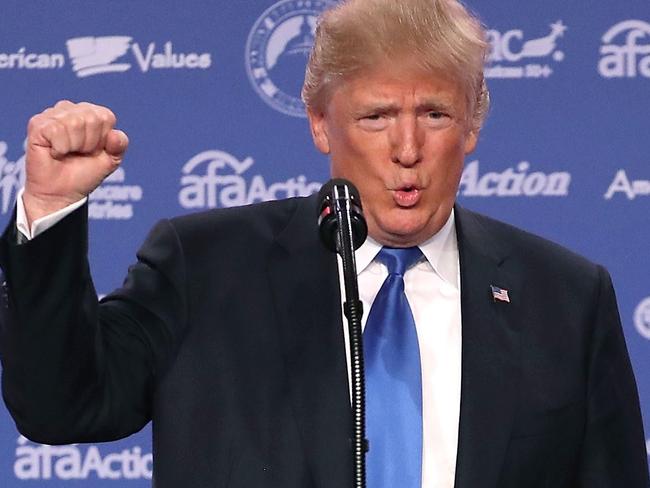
[326, 190]
[327, 216]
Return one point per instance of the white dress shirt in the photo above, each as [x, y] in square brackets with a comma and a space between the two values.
[432, 288]
[40, 225]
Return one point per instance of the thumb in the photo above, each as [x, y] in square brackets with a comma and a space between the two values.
[116, 144]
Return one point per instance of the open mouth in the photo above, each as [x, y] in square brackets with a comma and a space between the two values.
[406, 196]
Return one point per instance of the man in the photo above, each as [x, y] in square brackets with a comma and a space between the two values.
[227, 332]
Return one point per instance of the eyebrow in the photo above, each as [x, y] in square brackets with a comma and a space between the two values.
[376, 107]
[388, 107]
[438, 103]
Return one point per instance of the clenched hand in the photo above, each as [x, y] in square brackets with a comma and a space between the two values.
[71, 148]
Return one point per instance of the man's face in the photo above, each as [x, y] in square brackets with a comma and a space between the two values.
[401, 137]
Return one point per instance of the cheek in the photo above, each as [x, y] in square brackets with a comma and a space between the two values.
[451, 145]
[454, 169]
[356, 153]
[362, 145]
[448, 158]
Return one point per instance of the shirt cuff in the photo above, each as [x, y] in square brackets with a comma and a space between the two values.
[41, 225]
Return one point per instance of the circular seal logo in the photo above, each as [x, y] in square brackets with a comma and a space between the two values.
[642, 318]
[277, 50]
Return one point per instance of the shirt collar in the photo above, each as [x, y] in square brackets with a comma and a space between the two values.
[440, 250]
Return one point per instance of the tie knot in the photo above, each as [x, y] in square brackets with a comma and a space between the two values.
[398, 260]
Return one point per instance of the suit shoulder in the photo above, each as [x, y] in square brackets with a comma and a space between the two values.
[535, 251]
[240, 224]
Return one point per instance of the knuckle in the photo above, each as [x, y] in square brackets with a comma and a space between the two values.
[62, 104]
[92, 120]
[86, 106]
[34, 123]
[55, 127]
[52, 130]
[57, 135]
[107, 117]
[75, 122]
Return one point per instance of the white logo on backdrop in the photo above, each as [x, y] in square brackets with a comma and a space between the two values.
[94, 55]
[97, 55]
[513, 182]
[215, 179]
[12, 178]
[630, 188]
[44, 462]
[114, 199]
[22, 59]
[642, 318]
[510, 54]
[624, 55]
[277, 50]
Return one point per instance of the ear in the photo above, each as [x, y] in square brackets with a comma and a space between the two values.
[470, 141]
[318, 127]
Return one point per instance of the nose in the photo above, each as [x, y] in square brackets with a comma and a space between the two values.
[406, 141]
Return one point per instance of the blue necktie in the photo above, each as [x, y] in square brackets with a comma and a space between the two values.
[393, 380]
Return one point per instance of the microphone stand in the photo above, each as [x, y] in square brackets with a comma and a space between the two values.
[353, 310]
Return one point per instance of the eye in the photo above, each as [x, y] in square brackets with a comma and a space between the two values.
[437, 118]
[373, 121]
[435, 115]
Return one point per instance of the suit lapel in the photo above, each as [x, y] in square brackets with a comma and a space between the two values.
[304, 280]
[490, 355]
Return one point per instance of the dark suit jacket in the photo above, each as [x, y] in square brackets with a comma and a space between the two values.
[227, 334]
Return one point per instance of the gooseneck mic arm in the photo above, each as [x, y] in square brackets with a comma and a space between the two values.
[343, 229]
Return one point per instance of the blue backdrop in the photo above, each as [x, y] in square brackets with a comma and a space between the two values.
[208, 92]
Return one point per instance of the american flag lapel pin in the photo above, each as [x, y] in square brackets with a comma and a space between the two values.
[499, 294]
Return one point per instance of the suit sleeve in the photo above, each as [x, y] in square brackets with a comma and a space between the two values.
[613, 454]
[75, 370]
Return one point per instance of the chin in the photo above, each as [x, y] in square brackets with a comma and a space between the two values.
[400, 234]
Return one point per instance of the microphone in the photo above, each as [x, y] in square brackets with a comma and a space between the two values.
[343, 229]
[340, 202]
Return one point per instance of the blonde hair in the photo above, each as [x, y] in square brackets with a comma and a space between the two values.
[441, 35]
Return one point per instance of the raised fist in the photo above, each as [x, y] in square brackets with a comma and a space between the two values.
[71, 148]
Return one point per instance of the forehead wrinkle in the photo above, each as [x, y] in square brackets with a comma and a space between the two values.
[386, 102]
[392, 88]
[360, 99]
